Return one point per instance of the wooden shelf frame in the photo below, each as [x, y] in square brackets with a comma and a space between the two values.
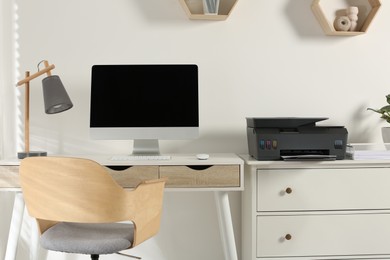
[327, 25]
[194, 10]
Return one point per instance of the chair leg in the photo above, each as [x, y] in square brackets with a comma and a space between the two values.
[131, 256]
[94, 257]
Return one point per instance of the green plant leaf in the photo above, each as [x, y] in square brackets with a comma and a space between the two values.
[388, 99]
[375, 110]
[385, 109]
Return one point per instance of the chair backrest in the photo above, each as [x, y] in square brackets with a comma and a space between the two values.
[63, 189]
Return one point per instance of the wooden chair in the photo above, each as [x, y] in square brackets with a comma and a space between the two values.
[78, 205]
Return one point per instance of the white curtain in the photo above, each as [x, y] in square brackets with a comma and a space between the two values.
[8, 62]
[8, 106]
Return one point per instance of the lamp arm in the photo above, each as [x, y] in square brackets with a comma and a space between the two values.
[26, 82]
[47, 69]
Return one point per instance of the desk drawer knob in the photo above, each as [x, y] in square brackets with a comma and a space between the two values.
[288, 190]
[288, 236]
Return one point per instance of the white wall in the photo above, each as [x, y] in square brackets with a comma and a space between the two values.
[269, 58]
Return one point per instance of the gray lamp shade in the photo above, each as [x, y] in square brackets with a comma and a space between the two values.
[54, 94]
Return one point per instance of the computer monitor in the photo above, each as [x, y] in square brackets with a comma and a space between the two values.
[144, 103]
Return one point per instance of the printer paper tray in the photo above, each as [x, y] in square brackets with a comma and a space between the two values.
[309, 157]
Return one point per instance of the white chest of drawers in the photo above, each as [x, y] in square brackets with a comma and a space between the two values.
[316, 210]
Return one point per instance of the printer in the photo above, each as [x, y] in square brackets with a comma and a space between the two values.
[296, 138]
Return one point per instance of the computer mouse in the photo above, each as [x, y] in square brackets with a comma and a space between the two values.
[202, 156]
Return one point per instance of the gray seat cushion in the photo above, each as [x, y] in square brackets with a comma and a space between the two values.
[89, 239]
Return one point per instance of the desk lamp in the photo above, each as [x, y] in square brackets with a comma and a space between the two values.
[55, 98]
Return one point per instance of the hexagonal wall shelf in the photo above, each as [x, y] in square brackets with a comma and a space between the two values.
[328, 27]
[194, 10]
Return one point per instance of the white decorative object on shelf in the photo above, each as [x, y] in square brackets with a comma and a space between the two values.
[342, 23]
[210, 7]
[365, 18]
[352, 13]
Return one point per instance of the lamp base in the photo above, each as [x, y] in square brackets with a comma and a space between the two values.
[22, 155]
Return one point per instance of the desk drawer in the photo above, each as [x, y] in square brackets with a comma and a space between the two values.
[9, 177]
[201, 176]
[323, 189]
[131, 176]
[323, 235]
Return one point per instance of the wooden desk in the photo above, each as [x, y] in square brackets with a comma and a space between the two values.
[220, 173]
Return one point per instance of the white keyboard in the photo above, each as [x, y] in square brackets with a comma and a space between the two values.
[140, 157]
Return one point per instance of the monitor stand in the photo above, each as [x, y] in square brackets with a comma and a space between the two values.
[146, 147]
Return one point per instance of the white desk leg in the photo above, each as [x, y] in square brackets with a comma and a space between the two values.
[16, 225]
[34, 244]
[226, 225]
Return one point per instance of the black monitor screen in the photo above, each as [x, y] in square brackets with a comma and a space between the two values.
[144, 96]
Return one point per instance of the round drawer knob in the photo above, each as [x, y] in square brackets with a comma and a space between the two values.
[288, 190]
[288, 236]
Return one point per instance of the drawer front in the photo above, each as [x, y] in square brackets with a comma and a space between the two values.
[323, 189]
[323, 235]
[130, 177]
[201, 176]
[9, 176]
